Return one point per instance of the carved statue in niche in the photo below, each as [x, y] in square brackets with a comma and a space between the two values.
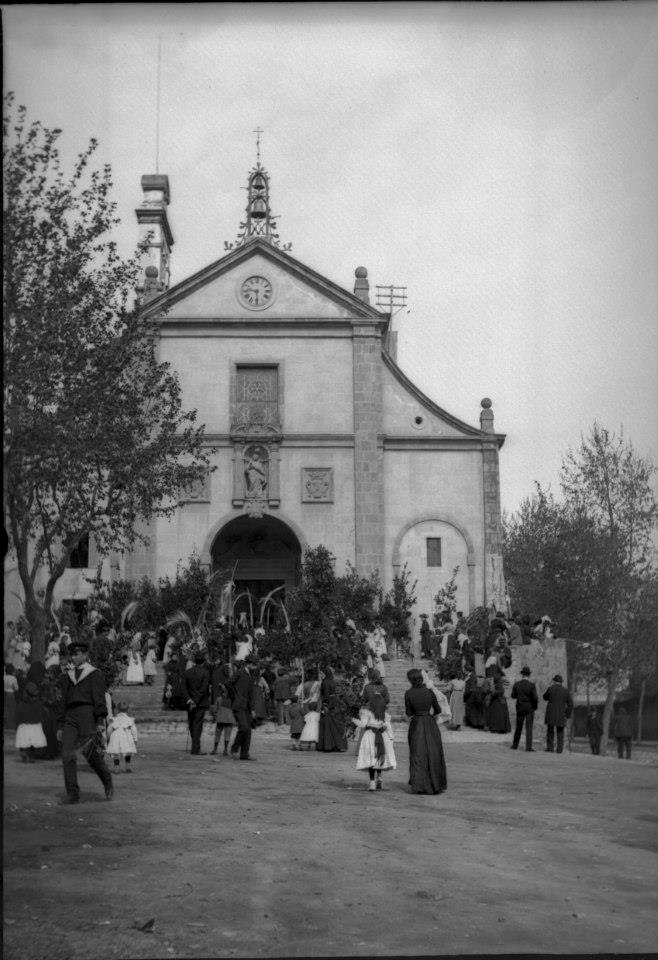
[255, 473]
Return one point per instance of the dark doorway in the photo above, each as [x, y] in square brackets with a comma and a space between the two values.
[258, 554]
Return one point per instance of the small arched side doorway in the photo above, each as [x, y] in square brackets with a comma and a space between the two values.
[261, 554]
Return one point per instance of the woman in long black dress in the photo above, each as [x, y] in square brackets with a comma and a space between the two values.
[331, 730]
[498, 712]
[427, 766]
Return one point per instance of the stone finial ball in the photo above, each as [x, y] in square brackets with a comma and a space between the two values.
[151, 271]
[361, 272]
[485, 403]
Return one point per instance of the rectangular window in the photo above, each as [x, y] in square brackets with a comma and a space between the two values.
[257, 395]
[433, 551]
[79, 559]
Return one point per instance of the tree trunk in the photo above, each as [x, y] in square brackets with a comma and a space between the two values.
[640, 710]
[37, 618]
[607, 711]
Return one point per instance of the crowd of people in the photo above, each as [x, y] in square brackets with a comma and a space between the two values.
[60, 705]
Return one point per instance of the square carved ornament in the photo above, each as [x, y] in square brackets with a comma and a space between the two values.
[317, 485]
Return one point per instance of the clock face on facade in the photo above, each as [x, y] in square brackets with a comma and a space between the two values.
[256, 293]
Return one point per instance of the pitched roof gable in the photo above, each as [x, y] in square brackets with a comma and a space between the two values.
[345, 303]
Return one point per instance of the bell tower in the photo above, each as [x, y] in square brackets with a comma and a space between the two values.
[259, 221]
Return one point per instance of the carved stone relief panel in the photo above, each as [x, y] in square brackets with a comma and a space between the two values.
[198, 492]
[317, 485]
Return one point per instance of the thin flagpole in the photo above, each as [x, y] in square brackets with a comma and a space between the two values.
[157, 109]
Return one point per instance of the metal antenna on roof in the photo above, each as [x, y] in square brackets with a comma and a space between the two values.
[157, 109]
[392, 297]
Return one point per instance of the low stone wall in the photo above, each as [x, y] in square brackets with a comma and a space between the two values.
[545, 658]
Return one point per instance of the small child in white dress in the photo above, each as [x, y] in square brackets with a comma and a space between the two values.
[122, 737]
[376, 751]
[309, 734]
[29, 729]
[150, 670]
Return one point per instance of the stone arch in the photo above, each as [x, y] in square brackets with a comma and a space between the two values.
[447, 519]
[436, 518]
[261, 553]
[218, 526]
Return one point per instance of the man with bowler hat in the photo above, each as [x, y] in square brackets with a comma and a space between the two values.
[525, 694]
[559, 707]
[196, 685]
[84, 709]
[244, 705]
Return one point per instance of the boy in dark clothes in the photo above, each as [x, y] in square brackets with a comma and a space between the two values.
[83, 714]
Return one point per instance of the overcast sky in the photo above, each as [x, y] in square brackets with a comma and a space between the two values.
[498, 160]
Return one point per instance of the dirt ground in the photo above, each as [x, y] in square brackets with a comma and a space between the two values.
[289, 856]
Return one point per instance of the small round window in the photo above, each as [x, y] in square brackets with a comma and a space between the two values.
[418, 422]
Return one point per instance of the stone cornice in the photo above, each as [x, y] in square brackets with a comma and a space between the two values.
[156, 215]
[245, 327]
[346, 440]
[441, 443]
[292, 440]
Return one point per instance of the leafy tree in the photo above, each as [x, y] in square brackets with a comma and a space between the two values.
[95, 438]
[190, 590]
[396, 607]
[317, 611]
[445, 602]
[590, 560]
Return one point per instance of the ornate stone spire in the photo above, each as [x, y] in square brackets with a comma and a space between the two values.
[260, 221]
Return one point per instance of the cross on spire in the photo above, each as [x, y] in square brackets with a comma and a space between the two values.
[258, 132]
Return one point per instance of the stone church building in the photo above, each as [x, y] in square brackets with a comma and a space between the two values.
[319, 436]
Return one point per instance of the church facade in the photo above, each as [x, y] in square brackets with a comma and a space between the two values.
[318, 437]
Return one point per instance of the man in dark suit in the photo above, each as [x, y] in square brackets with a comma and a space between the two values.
[196, 684]
[559, 707]
[525, 694]
[82, 713]
[244, 705]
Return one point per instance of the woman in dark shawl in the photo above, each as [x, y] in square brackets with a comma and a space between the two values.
[427, 767]
[474, 697]
[331, 733]
[498, 712]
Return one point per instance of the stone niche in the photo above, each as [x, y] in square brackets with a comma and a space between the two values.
[317, 485]
[256, 476]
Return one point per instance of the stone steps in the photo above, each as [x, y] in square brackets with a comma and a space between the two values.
[144, 701]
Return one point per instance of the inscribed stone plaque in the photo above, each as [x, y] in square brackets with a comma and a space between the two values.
[317, 485]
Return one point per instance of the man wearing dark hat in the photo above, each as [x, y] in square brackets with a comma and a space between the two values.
[84, 710]
[244, 706]
[559, 707]
[196, 687]
[525, 694]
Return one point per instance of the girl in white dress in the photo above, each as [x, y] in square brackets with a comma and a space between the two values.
[376, 751]
[29, 729]
[52, 654]
[122, 737]
[310, 733]
[150, 671]
[135, 671]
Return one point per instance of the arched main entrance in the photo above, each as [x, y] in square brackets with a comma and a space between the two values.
[261, 553]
